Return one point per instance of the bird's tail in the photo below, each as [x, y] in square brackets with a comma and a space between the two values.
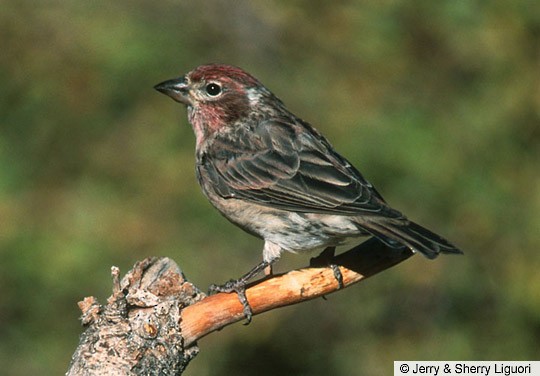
[397, 234]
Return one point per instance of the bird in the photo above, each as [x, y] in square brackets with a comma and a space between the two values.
[277, 177]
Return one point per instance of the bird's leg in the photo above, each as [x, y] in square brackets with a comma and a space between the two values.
[325, 259]
[268, 270]
[239, 286]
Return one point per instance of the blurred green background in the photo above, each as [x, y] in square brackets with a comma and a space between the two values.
[437, 103]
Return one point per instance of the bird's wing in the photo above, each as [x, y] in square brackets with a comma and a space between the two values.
[290, 167]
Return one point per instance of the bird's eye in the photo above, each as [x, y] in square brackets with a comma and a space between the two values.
[213, 89]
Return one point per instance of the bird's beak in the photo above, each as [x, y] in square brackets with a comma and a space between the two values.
[177, 89]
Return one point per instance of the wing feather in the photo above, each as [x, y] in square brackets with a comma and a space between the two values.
[287, 166]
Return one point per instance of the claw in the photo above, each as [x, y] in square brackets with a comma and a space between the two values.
[325, 259]
[239, 287]
[337, 275]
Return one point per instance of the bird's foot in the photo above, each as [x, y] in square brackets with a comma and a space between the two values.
[325, 259]
[337, 275]
[239, 287]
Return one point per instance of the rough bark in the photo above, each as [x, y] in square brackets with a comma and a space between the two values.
[153, 319]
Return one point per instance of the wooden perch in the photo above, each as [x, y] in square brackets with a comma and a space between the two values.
[217, 311]
[154, 316]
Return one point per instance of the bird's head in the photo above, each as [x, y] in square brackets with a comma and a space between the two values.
[216, 96]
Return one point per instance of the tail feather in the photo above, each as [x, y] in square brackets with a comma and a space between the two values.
[409, 234]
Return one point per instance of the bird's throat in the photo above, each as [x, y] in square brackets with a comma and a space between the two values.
[205, 122]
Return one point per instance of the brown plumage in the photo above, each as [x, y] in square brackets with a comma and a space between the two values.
[277, 177]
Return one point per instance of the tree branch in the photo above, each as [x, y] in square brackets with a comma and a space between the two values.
[154, 316]
[217, 311]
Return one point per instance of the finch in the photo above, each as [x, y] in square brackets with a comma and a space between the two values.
[275, 176]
